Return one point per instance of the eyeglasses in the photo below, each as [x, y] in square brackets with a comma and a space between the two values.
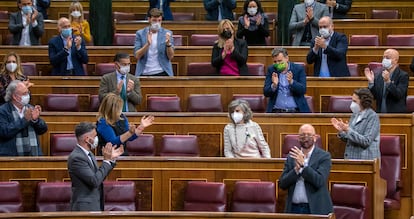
[305, 136]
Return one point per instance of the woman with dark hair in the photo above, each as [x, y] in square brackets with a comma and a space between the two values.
[362, 133]
[253, 24]
[244, 138]
[229, 55]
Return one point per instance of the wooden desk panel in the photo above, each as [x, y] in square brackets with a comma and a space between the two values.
[163, 180]
[187, 54]
[319, 88]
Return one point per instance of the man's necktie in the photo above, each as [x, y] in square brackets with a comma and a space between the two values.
[93, 160]
[123, 94]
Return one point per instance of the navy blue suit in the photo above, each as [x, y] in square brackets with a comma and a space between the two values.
[166, 10]
[336, 56]
[297, 88]
[58, 56]
[226, 7]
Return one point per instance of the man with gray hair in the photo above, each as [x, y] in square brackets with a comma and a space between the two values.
[20, 123]
[285, 85]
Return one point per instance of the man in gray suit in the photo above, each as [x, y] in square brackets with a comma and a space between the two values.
[26, 25]
[305, 176]
[86, 176]
[122, 83]
[304, 21]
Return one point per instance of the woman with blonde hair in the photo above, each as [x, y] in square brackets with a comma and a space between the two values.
[244, 138]
[11, 69]
[229, 55]
[113, 126]
[80, 26]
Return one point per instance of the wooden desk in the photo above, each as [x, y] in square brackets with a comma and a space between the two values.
[161, 181]
[187, 54]
[159, 215]
[319, 88]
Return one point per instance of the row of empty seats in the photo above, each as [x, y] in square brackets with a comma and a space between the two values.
[373, 40]
[248, 196]
[55, 196]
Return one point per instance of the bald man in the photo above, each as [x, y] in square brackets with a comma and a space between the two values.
[67, 52]
[390, 86]
[305, 176]
[328, 51]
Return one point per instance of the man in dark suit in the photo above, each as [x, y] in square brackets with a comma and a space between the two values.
[218, 10]
[338, 8]
[67, 52]
[42, 6]
[164, 6]
[389, 87]
[305, 176]
[328, 51]
[285, 85]
[26, 25]
[122, 83]
[86, 176]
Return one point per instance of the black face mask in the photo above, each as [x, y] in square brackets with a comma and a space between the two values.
[306, 142]
[226, 34]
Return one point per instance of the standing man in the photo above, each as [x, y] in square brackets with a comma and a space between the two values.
[328, 51]
[86, 176]
[122, 83]
[305, 176]
[67, 52]
[390, 87]
[164, 6]
[101, 21]
[20, 123]
[42, 6]
[338, 8]
[285, 85]
[154, 48]
[304, 21]
[26, 25]
[218, 10]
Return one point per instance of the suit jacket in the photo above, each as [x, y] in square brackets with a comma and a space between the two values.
[226, 6]
[396, 92]
[343, 7]
[297, 88]
[363, 137]
[87, 181]
[9, 128]
[166, 10]
[239, 54]
[336, 56]
[141, 40]
[297, 26]
[58, 56]
[42, 6]
[16, 27]
[109, 84]
[315, 176]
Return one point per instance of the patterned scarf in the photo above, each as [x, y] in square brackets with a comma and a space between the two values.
[26, 139]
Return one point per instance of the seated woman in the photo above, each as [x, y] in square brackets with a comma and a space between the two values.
[243, 138]
[11, 69]
[80, 26]
[362, 133]
[113, 126]
[253, 25]
[229, 55]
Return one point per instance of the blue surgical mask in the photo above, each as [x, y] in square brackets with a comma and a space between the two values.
[66, 32]
[27, 9]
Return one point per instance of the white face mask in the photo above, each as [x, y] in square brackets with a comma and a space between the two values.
[309, 2]
[237, 117]
[75, 14]
[155, 26]
[25, 99]
[324, 32]
[386, 63]
[95, 143]
[354, 107]
[124, 69]
[252, 11]
[11, 67]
